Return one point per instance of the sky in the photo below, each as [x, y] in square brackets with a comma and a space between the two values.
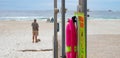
[104, 5]
[48, 4]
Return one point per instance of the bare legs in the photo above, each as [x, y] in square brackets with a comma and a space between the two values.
[34, 39]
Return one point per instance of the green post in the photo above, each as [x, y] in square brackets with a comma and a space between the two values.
[82, 8]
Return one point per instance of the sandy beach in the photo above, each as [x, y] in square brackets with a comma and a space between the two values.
[16, 36]
[103, 39]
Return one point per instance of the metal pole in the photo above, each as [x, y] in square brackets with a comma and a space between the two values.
[85, 11]
[63, 27]
[81, 5]
[55, 30]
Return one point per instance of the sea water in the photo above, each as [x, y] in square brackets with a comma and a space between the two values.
[104, 15]
[25, 15]
[45, 14]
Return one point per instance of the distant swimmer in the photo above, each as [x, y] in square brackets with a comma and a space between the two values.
[52, 20]
[35, 29]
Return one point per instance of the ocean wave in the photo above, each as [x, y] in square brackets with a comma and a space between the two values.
[45, 18]
[91, 18]
[23, 18]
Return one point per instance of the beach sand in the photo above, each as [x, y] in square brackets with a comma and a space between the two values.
[16, 36]
[16, 39]
[103, 39]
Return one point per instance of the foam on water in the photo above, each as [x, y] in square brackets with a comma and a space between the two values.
[44, 15]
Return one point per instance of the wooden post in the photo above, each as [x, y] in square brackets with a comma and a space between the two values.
[55, 30]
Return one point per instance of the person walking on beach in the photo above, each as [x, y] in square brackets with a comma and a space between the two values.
[35, 29]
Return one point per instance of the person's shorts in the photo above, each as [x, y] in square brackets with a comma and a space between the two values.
[35, 33]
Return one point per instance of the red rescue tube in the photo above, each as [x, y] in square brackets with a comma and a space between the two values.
[71, 39]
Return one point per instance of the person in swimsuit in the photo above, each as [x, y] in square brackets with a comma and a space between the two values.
[35, 29]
